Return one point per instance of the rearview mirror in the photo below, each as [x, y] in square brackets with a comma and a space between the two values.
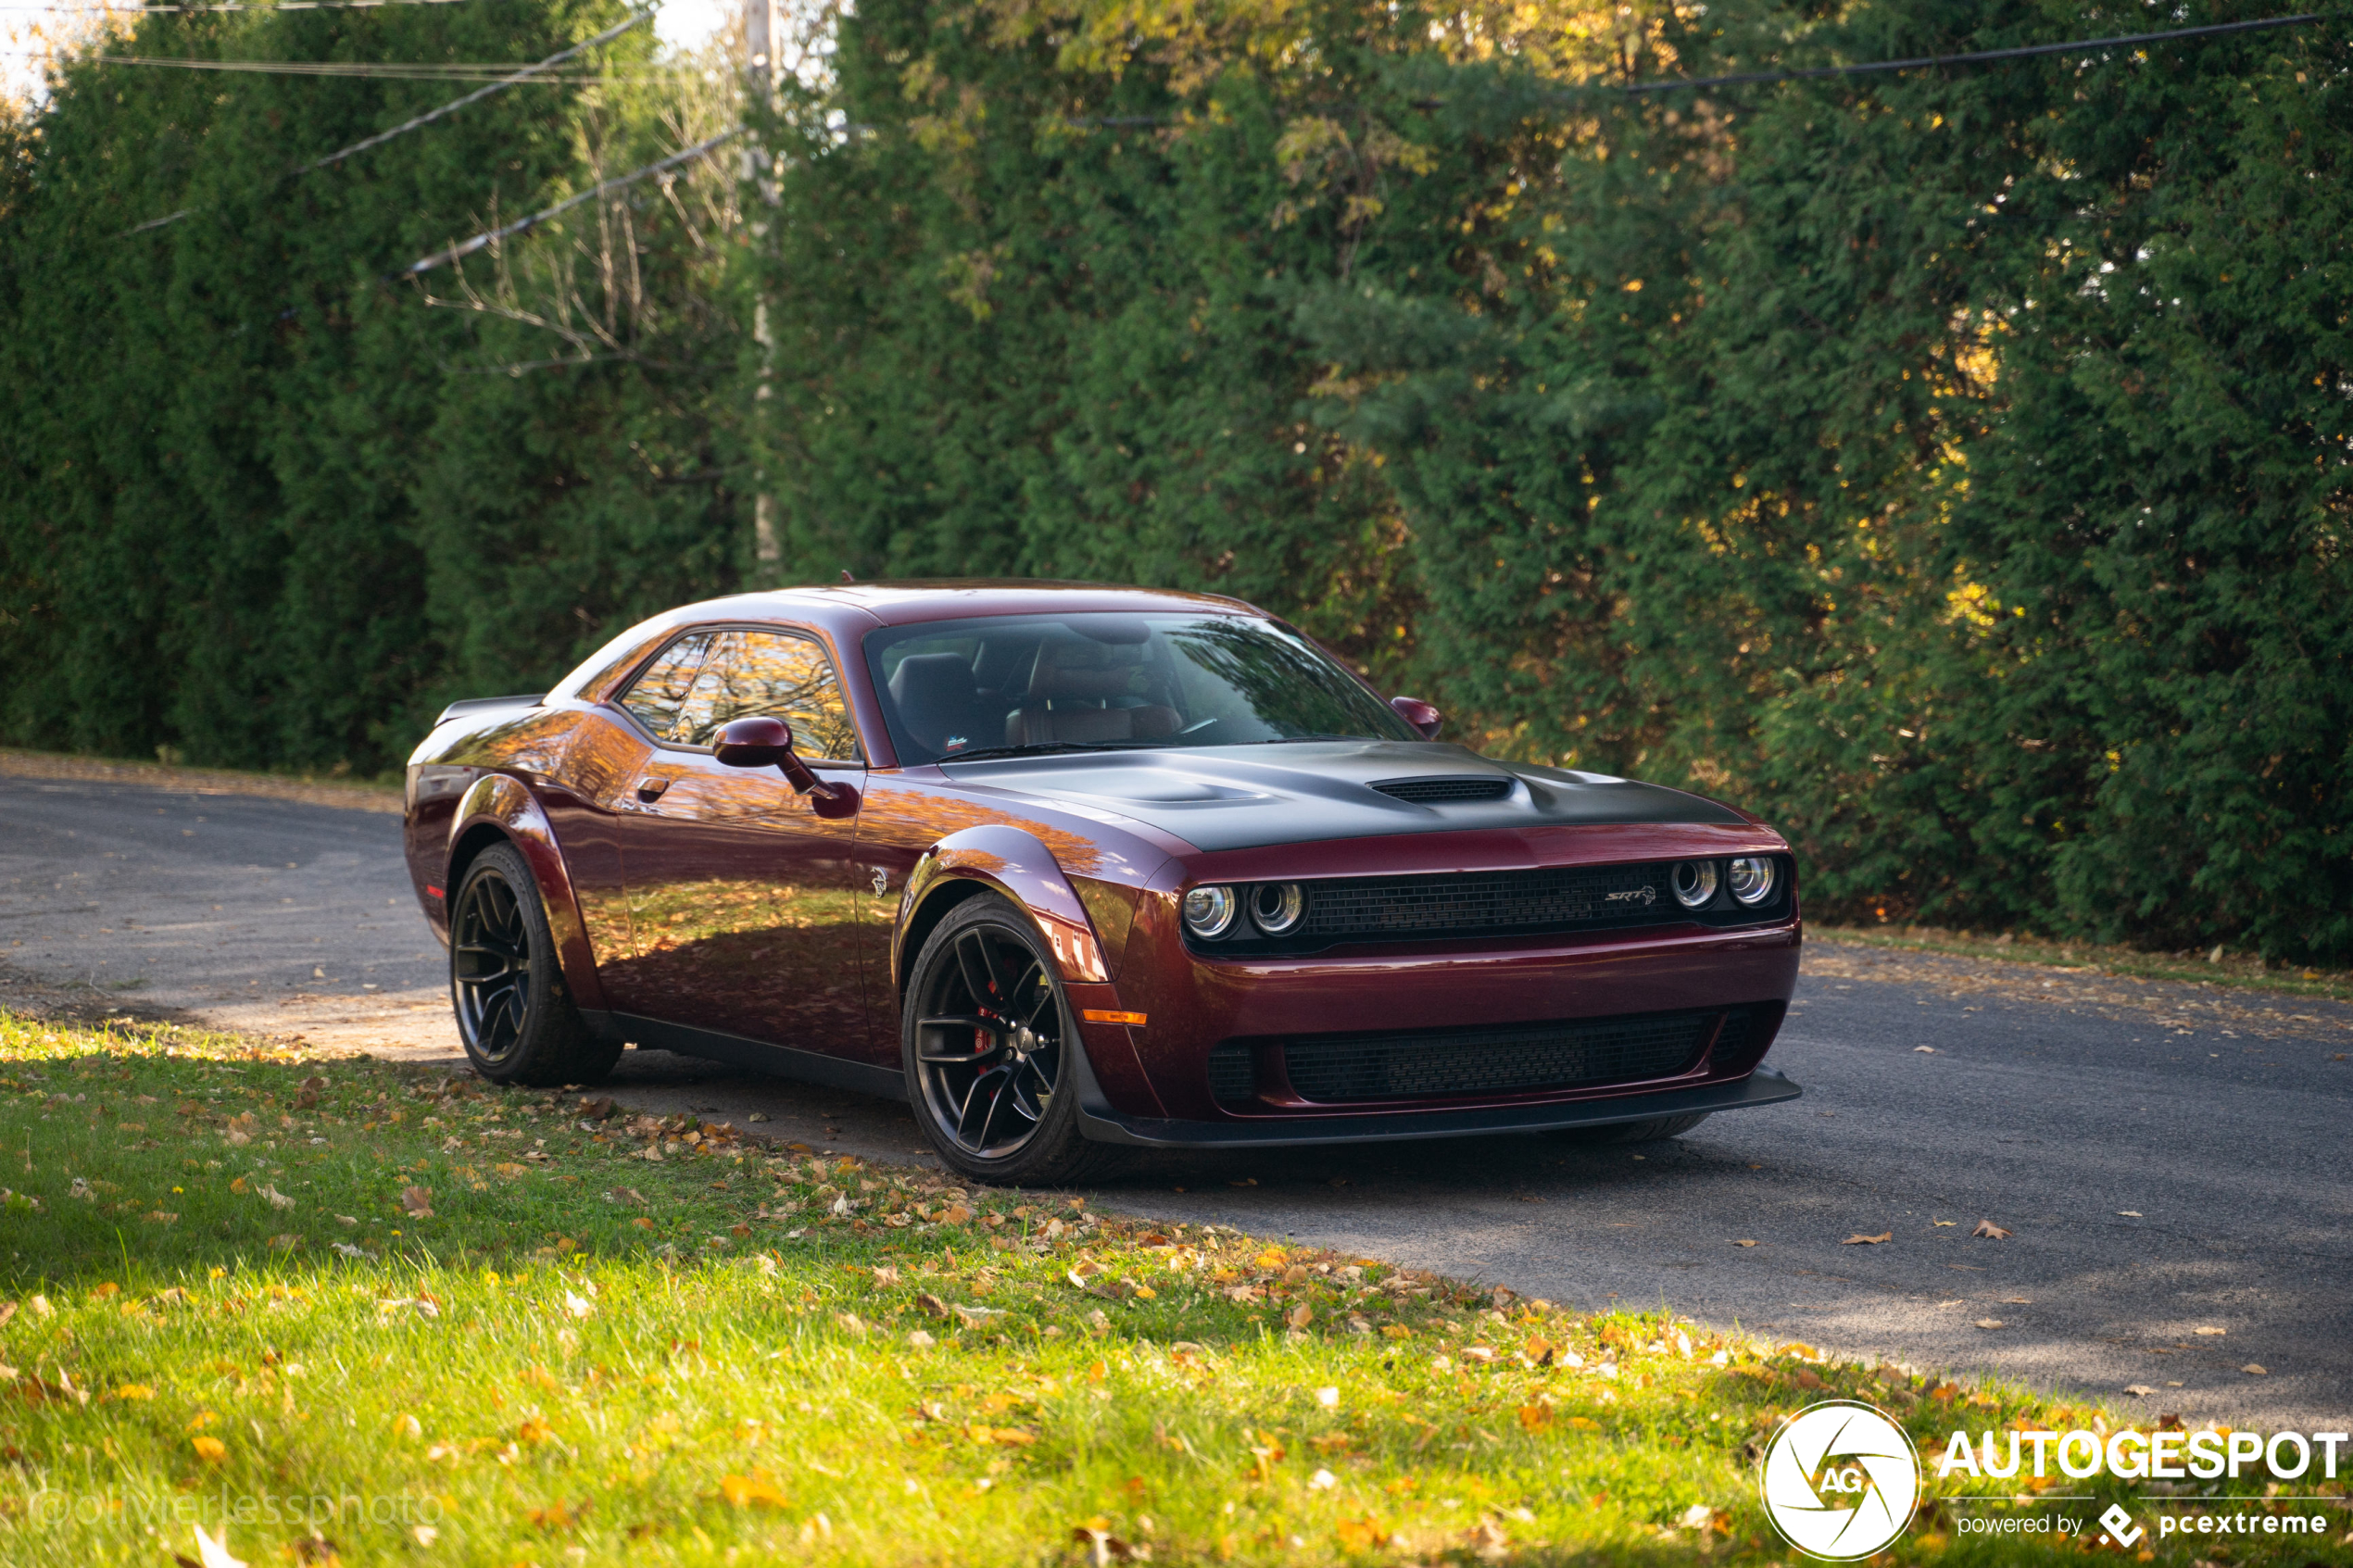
[1425, 719]
[767, 743]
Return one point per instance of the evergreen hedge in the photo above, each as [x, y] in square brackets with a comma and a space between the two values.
[1950, 465]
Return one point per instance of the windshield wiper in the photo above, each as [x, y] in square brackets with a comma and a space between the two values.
[1047, 748]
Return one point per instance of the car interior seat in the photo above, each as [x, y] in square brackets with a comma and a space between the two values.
[938, 701]
[1085, 693]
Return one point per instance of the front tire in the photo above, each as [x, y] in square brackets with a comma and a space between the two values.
[515, 1014]
[990, 1048]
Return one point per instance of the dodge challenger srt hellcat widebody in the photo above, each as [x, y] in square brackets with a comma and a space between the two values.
[1072, 868]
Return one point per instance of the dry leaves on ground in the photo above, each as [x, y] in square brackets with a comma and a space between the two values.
[1858, 1239]
[1991, 1231]
[418, 1202]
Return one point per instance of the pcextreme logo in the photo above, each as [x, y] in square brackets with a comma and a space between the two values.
[1839, 1480]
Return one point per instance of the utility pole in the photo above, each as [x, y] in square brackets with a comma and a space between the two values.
[764, 40]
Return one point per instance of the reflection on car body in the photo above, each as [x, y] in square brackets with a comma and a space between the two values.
[1078, 867]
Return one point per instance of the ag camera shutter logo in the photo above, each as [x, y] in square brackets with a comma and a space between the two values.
[1839, 1480]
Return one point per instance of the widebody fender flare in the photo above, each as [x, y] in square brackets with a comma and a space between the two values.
[1019, 866]
[502, 804]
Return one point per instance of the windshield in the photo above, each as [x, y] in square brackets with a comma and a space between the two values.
[1035, 683]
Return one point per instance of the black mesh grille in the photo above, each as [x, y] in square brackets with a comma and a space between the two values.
[1432, 791]
[1233, 1073]
[1539, 900]
[1505, 1059]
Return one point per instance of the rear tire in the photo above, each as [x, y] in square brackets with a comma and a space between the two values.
[515, 1014]
[1652, 1131]
[989, 1048]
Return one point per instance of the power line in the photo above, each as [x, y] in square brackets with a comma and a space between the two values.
[383, 70]
[1922, 62]
[636, 19]
[230, 6]
[1981, 57]
[466, 248]
[452, 106]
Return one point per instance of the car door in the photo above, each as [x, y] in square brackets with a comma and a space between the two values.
[741, 898]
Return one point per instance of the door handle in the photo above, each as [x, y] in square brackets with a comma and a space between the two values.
[649, 790]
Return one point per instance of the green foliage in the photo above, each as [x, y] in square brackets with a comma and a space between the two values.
[1949, 465]
[264, 507]
[1789, 441]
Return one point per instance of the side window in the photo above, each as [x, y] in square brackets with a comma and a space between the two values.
[770, 674]
[655, 698]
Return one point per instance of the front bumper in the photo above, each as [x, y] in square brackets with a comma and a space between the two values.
[1102, 1124]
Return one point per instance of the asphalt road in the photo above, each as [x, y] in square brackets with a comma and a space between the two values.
[2167, 1158]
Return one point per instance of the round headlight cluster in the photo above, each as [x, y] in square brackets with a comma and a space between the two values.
[1694, 883]
[1209, 911]
[1275, 906]
[1751, 879]
[1276, 909]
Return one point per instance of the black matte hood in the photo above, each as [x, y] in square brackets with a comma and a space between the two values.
[1291, 792]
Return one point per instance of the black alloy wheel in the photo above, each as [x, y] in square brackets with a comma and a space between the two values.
[515, 1015]
[989, 1049]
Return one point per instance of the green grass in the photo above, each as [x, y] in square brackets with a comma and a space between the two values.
[761, 1353]
[2235, 971]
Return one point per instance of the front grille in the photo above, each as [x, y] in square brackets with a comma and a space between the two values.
[1233, 1073]
[1562, 899]
[1500, 1059]
[1426, 792]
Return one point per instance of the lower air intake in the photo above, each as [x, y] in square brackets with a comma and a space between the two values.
[1502, 1060]
[1233, 1073]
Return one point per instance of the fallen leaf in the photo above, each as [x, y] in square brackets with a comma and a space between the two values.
[2140, 1388]
[743, 1491]
[133, 1391]
[931, 1306]
[1924, 1050]
[1535, 1418]
[418, 1202]
[277, 1200]
[1361, 1534]
[578, 1306]
[1858, 1239]
[212, 1450]
[2216, 1331]
[1300, 1316]
[1989, 1322]
[1699, 1516]
[509, 1168]
[215, 1553]
[629, 1196]
[239, 1186]
[1991, 1231]
[2253, 1369]
[918, 1339]
[1744, 1243]
[2128, 1214]
[286, 1241]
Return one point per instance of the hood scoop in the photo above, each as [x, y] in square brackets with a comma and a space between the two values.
[1440, 791]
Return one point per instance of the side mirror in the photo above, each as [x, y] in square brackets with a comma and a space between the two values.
[767, 743]
[757, 742]
[1425, 719]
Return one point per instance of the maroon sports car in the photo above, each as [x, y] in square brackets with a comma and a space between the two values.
[1072, 868]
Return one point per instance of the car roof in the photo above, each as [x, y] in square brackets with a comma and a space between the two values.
[911, 601]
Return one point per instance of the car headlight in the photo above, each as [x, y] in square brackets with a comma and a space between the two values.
[1694, 883]
[1209, 911]
[1751, 879]
[1275, 906]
